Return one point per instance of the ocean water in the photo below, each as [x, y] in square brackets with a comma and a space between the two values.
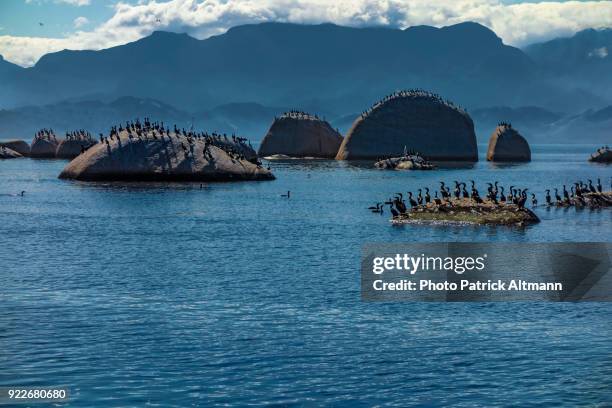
[173, 295]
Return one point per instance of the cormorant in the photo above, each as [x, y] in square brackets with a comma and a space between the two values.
[413, 203]
[436, 199]
[427, 196]
[534, 201]
[288, 195]
[599, 189]
[548, 199]
[393, 212]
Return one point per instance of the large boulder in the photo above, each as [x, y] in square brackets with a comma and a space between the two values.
[415, 120]
[69, 149]
[507, 145]
[298, 134]
[6, 153]
[19, 146]
[156, 157]
[43, 148]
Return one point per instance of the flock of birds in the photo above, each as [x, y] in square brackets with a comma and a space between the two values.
[298, 114]
[234, 146]
[494, 197]
[45, 134]
[80, 135]
[412, 93]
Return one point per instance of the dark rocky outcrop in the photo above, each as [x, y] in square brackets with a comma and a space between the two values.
[507, 145]
[6, 153]
[299, 134]
[19, 146]
[407, 162]
[466, 212]
[602, 155]
[417, 120]
[152, 156]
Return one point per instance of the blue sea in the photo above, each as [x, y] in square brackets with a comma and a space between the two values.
[181, 295]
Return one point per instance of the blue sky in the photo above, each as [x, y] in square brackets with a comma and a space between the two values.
[96, 24]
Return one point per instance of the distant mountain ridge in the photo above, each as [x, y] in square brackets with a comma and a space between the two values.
[325, 67]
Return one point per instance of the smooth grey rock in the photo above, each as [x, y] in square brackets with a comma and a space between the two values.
[417, 120]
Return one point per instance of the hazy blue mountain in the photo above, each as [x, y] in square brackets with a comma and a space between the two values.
[249, 119]
[581, 61]
[324, 67]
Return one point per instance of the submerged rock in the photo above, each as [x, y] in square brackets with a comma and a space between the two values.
[156, 157]
[6, 153]
[602, 155]
[19, 146]
[507, 145]
[416, 119]
[298, 134]
[406, 162]
[467, 212]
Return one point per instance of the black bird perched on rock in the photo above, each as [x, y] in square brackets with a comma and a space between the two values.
[427, 196]
[502, 197]
[457, 190]
[565, 194]
[436, 199]
[394, 213]
[464, 191]
[534, 201]
[412, 201]
[548, 199]
[599, 189]
[420, 197]
[557, 196]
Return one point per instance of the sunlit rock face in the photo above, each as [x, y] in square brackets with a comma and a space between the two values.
[297, 134]
[6, 153]
[152, 156]
[507, 145]
[417, 120]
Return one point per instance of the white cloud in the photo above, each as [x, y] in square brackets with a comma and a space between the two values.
[77, 3]
[599, 53]
[80, 22]
[516, 24]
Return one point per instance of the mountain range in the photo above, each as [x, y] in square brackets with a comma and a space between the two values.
[239, 80]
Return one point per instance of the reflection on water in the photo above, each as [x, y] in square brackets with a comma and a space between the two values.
[176, 295]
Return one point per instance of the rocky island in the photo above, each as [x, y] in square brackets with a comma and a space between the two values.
[19, 146]
[465, 211]
[297, 134]
[416, 119]
[507, 145]
[44, 144]
[406, 162]
[602, 155]
[150, 152]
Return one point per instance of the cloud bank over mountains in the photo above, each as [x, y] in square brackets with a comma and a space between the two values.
[516, 24]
